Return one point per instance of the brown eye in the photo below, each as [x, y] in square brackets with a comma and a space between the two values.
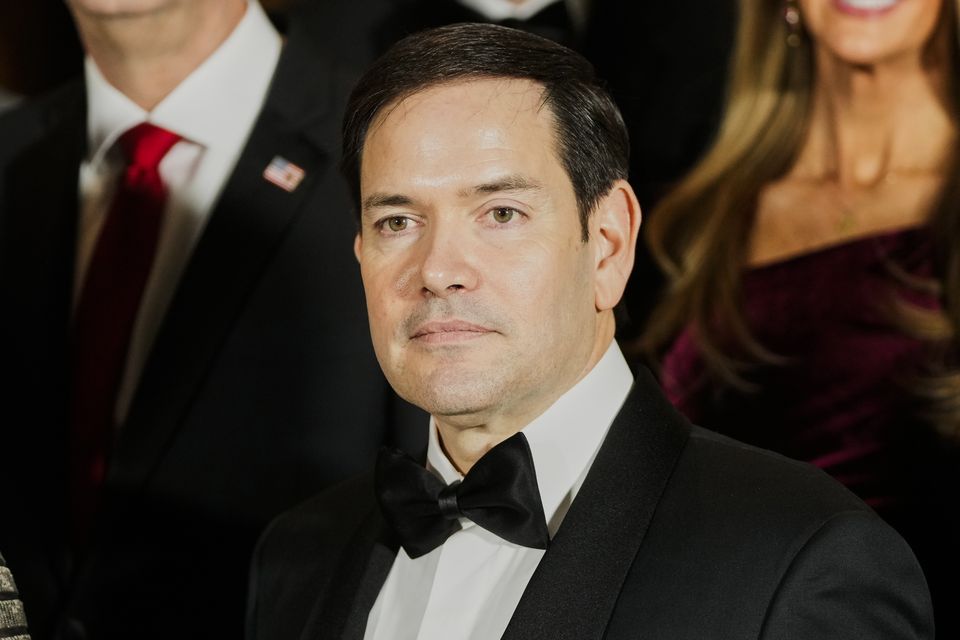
[504, 214]
[397, 223]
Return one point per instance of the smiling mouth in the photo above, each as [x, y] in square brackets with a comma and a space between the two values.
[865, 8]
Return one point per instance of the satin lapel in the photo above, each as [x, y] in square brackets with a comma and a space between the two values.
[574, 589]
[355, 585]
[242, 236]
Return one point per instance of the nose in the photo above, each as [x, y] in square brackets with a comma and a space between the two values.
[446, 266]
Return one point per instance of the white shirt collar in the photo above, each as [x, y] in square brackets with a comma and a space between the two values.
[209, 106]
[565, 438]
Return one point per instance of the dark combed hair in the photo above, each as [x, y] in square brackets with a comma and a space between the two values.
[591, 137]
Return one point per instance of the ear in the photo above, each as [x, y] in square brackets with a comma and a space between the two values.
[357, 245]
[614, 227]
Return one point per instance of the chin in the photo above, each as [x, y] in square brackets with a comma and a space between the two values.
[450, 393]
[867, 53]
[118, 7]
[454, 407]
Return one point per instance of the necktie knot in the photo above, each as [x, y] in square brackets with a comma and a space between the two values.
[448, 502]
[499, 494]
[144, 145]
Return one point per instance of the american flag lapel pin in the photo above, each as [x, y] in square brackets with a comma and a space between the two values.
[283, 173]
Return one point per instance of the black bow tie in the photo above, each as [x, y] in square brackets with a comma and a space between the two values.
[499, 494]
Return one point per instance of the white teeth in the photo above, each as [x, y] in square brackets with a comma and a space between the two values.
[869, 5]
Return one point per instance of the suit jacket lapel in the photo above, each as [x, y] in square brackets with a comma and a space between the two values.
[39, 223]
[355, 585]
[242, 235]
[37, 248]
[574, 589]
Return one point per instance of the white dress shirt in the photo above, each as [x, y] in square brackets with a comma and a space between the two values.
[213, 110]
[468, 587]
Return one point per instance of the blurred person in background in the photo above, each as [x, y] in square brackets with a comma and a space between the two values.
[813, 258]
[184, 339]
[358, 31]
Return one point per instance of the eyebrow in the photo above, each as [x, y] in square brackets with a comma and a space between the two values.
[508, 183]
[378, 200]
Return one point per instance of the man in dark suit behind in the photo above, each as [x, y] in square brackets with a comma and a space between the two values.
[242, 380]
[561, 498]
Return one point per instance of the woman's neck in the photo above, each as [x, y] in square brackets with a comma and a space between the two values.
[870, 123]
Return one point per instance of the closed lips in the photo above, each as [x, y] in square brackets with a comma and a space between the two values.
[456, 326]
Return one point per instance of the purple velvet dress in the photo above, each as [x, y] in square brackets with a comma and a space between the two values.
[840, 401]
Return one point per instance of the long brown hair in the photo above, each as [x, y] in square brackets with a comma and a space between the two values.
[699, 233]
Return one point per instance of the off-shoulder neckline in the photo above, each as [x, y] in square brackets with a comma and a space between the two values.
[866, 241]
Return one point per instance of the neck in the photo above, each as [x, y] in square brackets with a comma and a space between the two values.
[465, 439]
[868, 122]
[145, 55]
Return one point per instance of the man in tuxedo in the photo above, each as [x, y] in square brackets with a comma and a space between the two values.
[561, 497]
[184, 336]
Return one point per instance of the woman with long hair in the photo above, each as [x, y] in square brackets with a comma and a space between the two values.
[813, 260]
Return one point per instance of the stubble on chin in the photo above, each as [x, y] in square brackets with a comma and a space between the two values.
[451, 392]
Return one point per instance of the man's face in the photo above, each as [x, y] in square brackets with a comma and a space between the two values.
[479, 288]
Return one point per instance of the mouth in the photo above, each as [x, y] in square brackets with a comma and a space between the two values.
[865, 8]
[448, 332]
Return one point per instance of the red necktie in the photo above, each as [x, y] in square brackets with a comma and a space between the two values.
[107, 308]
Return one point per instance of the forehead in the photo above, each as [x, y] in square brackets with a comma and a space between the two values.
[457, 128]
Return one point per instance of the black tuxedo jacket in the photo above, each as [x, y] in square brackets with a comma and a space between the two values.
[677, 533]
[260, 390]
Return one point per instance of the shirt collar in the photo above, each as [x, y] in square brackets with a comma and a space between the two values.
[210, 106]
[565, 438]
[109, 112]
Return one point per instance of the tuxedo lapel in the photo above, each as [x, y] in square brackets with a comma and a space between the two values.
[356, 584]
[574, 589]
[243, 234]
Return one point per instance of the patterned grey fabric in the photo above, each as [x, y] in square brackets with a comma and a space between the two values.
[13, 622]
